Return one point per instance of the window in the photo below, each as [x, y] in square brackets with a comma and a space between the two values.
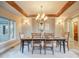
[7, 29]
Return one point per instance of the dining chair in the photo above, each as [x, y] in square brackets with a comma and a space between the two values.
[66, 36]
[48, 43]
[36, 43]
[67, 39]
[23, 36]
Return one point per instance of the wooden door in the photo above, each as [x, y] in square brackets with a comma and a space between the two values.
[76, 34]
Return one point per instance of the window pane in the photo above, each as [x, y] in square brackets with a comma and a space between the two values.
[6, 29]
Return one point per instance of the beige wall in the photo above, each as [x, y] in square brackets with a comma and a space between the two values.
[27, 27]
[33, 26]
[49, 25]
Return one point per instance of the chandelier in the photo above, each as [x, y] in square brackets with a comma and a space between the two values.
[41, 18]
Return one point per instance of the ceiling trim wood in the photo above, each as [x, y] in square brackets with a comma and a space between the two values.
[65, 7]
[61, 11]
[49, 15]
[17, 7]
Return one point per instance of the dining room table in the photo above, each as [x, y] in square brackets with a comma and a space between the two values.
[57, 39]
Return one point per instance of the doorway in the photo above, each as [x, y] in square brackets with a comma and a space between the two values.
[75, 34]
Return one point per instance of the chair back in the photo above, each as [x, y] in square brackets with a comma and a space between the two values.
[67, 36]
[36, 36]
[21, 35]
[48, 36]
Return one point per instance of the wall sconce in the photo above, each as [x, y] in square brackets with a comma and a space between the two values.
[26, 21]
[59, 22]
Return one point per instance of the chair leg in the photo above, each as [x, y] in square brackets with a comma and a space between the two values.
[44, 50]
[40, 49]
[32, 50]
[67, 46]
[52, 50]
[28, 46]
[57, 43]
[20, 47]
[60, 46]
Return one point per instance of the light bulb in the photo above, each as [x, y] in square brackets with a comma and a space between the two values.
[43, 15]
[45, 18]
[37, 16]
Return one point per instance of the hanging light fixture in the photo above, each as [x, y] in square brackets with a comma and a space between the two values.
[41, 16]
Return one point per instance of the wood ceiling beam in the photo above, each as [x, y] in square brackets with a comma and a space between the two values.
[17, 7]
[49, 15]
[65, 7]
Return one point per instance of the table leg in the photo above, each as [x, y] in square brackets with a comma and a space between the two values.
[60, 46]
[22, 46]
[28, 46]
[64, 46]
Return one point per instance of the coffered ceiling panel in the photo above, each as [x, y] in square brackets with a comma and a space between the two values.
[33, 7]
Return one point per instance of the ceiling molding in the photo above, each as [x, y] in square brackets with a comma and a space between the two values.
[17, 7]
[49, 15]
[62, 10]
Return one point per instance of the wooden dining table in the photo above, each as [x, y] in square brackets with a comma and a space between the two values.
[43, 39]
